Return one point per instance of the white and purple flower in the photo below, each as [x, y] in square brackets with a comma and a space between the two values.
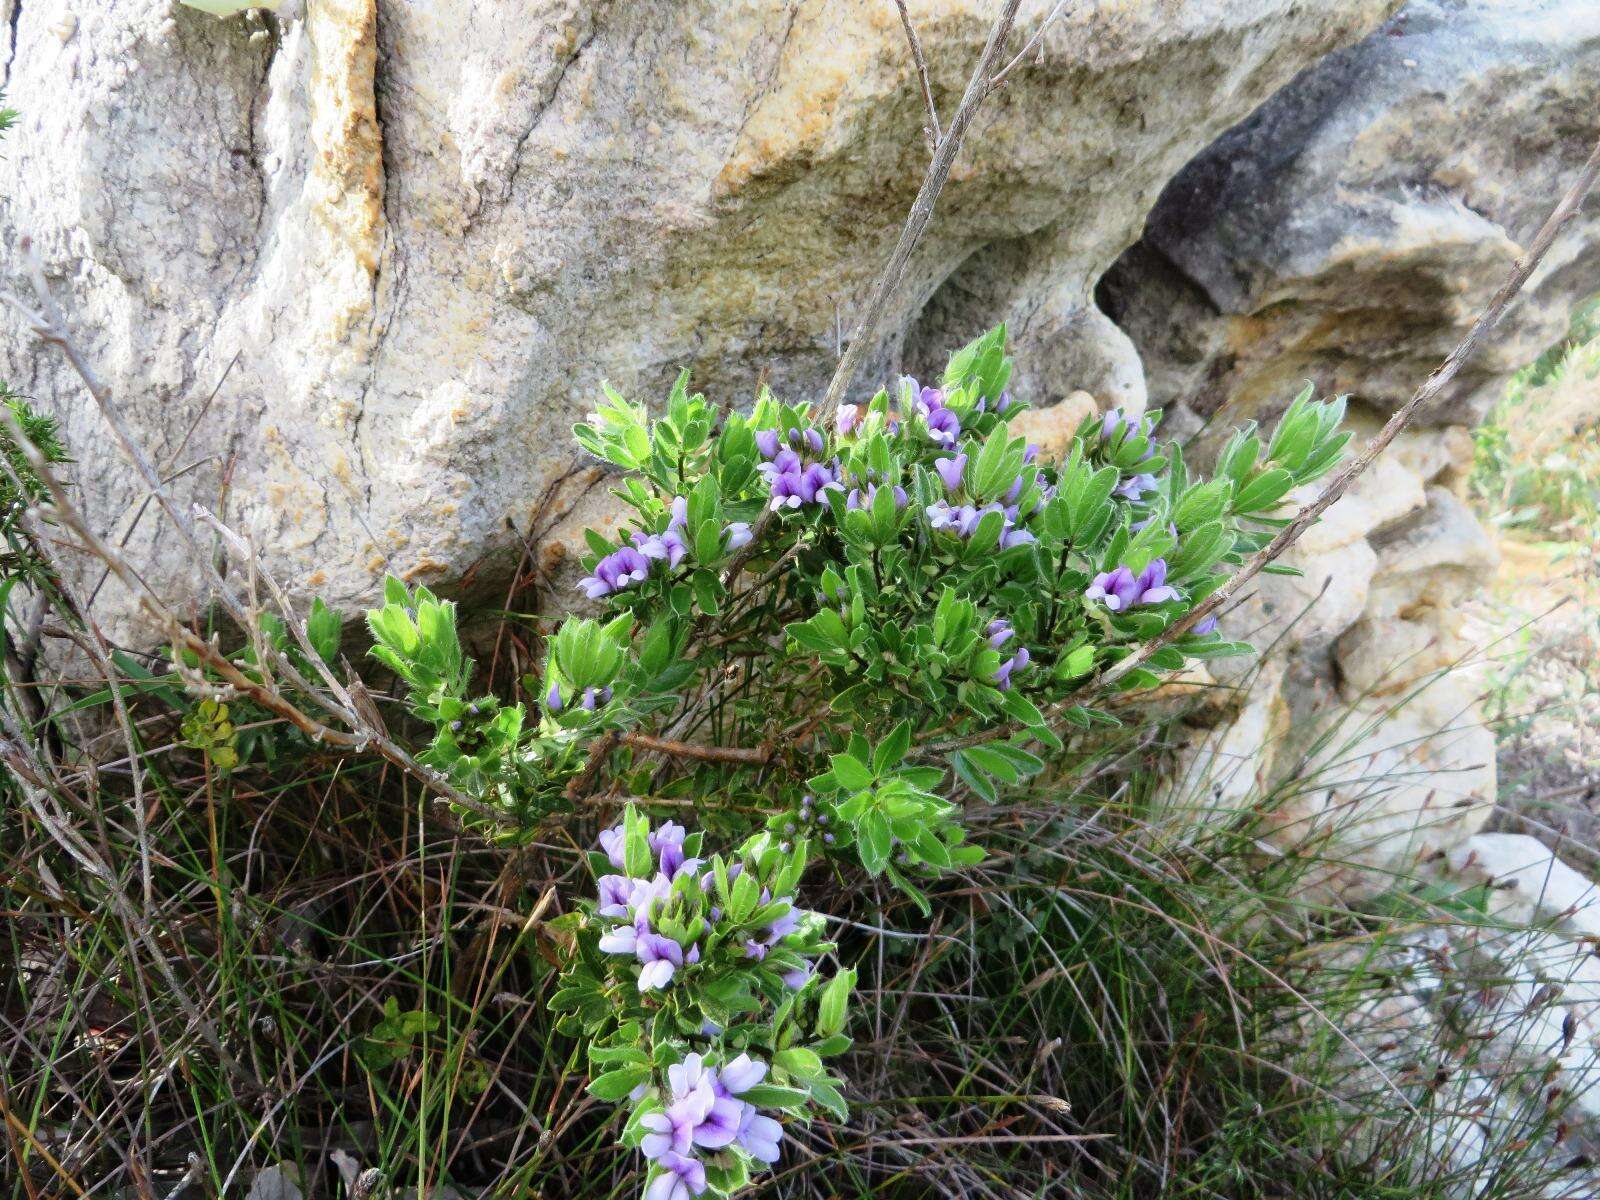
[1120, 589]
[618, 570]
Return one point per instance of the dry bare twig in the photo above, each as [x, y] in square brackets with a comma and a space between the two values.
[979, 86]
[921, 61]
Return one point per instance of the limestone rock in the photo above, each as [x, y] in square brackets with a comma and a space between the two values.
[1385, 783]
[1432, 561]
[1350, 230]
[1051, 428]
[1530, 884]
[1222, 769]
[1282, 613]
[411, 239]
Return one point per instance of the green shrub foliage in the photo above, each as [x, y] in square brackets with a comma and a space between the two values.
[823, 633]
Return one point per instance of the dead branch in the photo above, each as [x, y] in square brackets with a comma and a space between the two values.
[753, 756]
[944, 155]
[921, 62]
[894, 271]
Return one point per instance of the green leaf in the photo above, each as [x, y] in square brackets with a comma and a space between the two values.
[323, 629]
[973, 777]
[851, 772]
[638, 861]
[831, 1004]
[992, 761]
[1264, 491]
[615, 1085]
[798, 1061]
[828, 1097]
[874, 841]
[892, 749]
[771, 1095]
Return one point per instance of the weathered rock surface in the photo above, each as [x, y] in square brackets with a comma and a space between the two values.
[1350, 230]
[422, 234]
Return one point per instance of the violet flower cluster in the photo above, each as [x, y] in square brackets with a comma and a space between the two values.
[963, 519]
[591, 698]
[944, 426]
[632, 564]
[704, 1111]
[633, 903]
[1115, 424]
[1000, 632]
[1120, 589]
[791, 481]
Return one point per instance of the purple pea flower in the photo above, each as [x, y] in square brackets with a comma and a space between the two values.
[951, 470]
[684, 1078]
[785, 462]
[1003, 403]
[1002, 675]
[767, 442]
[1118, 589]
[1136, 486]
[680, 1178]
[613, 841]
[796, 979]
[795, 488]
[1209, 625]
[624, 939]
[736, 535]
[721, 1124]
[594, 697]
[1153, 583]
[781, 928]
[741, 1074]
[754, 949]
[668, 546]
[1000, 632]
[646, 892]
[616, 894]
[847, 419]
[661, 957]
[1020, 485]
[788, 491]
[665, 1136]
[856, 500]
[943, 425]
[552, 698]
[1112, 423]
[620, 569]
[758, 1136]
[926, 399]
[667, 844]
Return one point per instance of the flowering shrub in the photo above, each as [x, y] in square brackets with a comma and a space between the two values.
[845, 623]
[694, 981]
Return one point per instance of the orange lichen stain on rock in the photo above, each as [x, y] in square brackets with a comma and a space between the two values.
[791, 121]
[316, 578]
[339, 467]
[425, 568]
[347, 167]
